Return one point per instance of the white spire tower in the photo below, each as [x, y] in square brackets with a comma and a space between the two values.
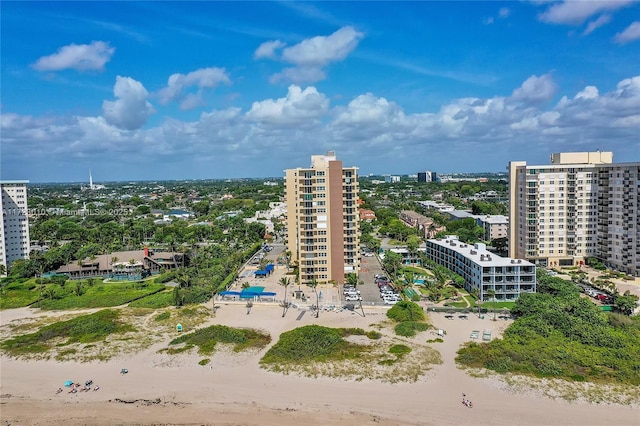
[90, 180]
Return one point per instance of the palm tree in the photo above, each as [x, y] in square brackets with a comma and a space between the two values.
[284, 281]
[184, 279]
[50, 293]
[77, 288]
[314, 285]
[352, 279]
[476, 294]
[492, 295]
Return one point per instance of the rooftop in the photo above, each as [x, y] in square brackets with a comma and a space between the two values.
[478, 253]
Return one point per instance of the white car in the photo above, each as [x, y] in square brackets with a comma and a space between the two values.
[390, 301]
[353, 298]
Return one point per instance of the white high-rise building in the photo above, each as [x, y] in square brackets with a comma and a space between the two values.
[322, 219]
[14, 229]
[581, 205]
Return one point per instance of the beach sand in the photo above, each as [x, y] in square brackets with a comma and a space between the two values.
[234, 390]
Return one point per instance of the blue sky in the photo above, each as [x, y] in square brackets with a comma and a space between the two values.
[163, 90]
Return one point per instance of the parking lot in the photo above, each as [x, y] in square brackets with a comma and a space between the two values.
[369, 267]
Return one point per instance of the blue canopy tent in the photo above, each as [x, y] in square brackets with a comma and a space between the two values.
[252, 294]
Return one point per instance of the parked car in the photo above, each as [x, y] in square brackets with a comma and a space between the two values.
[389, 301]
[352, 298]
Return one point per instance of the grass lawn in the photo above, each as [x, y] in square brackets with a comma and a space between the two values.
[497, 305]
[416, 270]
[456, 304]
[98, 296]
[162, 299]
[18, 295]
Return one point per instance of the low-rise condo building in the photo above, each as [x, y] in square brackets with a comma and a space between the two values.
[483, 271]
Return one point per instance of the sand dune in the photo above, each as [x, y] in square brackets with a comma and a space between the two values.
[164, 389]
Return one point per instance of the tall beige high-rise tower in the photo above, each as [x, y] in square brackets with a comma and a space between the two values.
[581, 205]
[14, 228]
[322, 219]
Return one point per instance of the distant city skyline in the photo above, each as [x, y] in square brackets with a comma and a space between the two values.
[214, 90]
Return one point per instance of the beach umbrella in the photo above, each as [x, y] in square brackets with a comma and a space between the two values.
[68, 383]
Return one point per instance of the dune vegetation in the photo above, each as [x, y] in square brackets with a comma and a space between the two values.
[84, 329]
[559, 334]
[207, 338]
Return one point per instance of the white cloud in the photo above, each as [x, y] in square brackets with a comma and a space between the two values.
[589, 92]
[369, 110]
[362, 130]
[298, 75]
[530, 123]
[268, 49]
[131, 109]
[631, 33]
[311, 55]
[536, 89]
[319, 51]
[81, 57]
[576, 12]
[503, 13]
[301, 107]
[597, 23]
[203, 78]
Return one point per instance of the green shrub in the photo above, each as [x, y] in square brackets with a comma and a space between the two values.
[409, 328]
[399, 350]
[560, 334]
[166, 277]
[163, 316]
[406, 311]
[204, 361]
[374, 335]
[311, 343]
[207, 338]
[352, 331]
